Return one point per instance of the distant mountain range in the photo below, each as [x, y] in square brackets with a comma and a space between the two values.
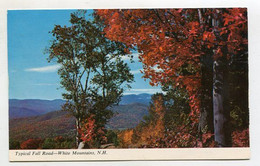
[60, 123]
[143, 98]
[34, 118]
[34, 107]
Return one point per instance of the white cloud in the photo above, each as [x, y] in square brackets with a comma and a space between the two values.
[136, 71]
[139, 91]
[52, 68]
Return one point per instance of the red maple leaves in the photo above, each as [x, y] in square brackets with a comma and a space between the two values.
[170, 40]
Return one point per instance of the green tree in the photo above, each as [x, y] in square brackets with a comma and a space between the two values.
[177, 104]
[91, 70]
[48, 143]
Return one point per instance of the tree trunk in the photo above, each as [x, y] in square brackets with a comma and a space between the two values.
[206, 105]
[221, 108]
[206, 113]
[221, 103]
[81, 145]
[77, 132]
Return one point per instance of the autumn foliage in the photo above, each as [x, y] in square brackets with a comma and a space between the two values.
[150, 133]
[91, 134]
[199, 57]
[58, 142]
[157, 132]
[175, 45]
[241, 138]
[168, 39]
[31, 144]
[126, 138]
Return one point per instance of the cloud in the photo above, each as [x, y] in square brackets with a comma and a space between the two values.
[45, 69]
[136, 71]
[139, 91]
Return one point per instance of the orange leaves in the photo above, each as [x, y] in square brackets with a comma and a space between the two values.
[227, 20]
[194, 27]
[87, 130]
[235, 22]
[206, 34]
[91, 132]
[152, 32]
[148, 133]
[179, 10]
[240, 138]
[126, 137]
[172, 38]
[115, 15]
[218, 53]
[59, 139]
[167, 32]
[162, 35]
[152, 83]
[210, 38]
[183, 138]
[206, 137]
[31, 144]
[235, 16]
[160, 48]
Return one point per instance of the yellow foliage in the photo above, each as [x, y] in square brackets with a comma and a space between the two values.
[149, 134]
[126, 137]
[154, 130]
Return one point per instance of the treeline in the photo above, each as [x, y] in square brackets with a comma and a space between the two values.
[58, 142]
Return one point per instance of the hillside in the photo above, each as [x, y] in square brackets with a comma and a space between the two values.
[127, 116]
[59, 123]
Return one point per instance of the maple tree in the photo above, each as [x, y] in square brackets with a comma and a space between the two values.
[190, 48]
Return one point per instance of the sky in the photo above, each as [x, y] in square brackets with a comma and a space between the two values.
[30, 74]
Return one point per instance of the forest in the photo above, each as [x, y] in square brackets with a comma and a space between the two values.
[199, 57]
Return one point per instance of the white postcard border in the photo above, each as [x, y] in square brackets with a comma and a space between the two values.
[130, 154]
[226, 153]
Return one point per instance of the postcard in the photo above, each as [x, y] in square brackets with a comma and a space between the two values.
[128, 84]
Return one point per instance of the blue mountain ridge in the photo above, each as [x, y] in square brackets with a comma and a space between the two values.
[34, 107]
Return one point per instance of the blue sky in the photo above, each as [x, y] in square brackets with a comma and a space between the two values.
[30, 75]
